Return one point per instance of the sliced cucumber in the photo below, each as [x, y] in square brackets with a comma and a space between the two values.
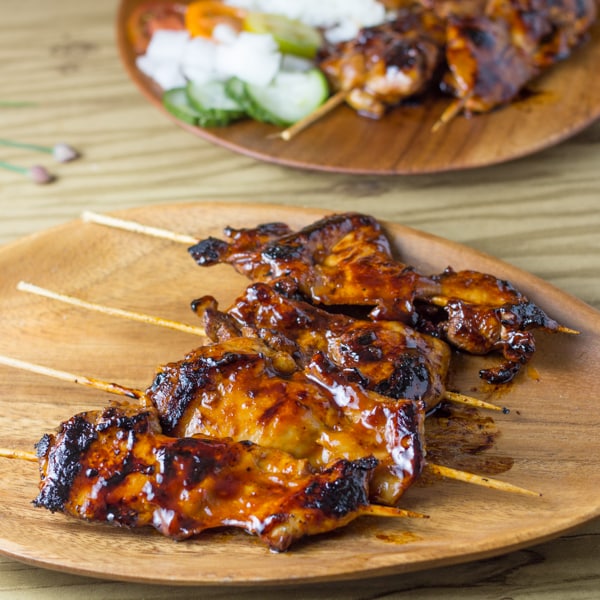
[287, 99]
[292, 36]
[214, 106]
[177, 103]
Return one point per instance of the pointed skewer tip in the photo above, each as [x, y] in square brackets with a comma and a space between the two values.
[475, 402]
[483, 481]
[563, 329]
[378, 510]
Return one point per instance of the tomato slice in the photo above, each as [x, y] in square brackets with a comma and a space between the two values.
[203, 16]
[150, 16]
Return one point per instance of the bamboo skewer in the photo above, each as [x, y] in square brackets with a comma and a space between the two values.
[98, 384]
[483, 481]
[18, 454]
[92, 217]
[140, 396]
[109, 310]
[451, 112]
[378, 510]
[160, 322]
[470, 401]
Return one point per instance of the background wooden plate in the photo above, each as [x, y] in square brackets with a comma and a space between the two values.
[550, 433]
[560, 103]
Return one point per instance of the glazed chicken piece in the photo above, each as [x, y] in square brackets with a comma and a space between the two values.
[387, 63]
[387, 357]
[115, 466]
[340, 260]
[489, 51]
[346, 260]
[481, 314]
[486, 69]
[546, 30]
[492, 56]
[242, 389]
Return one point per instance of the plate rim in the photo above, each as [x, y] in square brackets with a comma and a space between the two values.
[144, 85]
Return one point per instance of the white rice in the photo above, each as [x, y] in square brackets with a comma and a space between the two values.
[341, 19]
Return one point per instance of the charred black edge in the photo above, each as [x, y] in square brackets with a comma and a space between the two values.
[209, 251]
[63, 453]
[65, 450]
[346, 493]
[183, 394]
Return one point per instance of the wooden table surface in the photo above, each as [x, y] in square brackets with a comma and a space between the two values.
[540, 213]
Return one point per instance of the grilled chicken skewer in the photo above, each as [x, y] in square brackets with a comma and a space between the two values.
[489, 50]
[388, 63]
[240, 388]
[346, 260]
[387, 357]
[494, 52]
[243, 390]
[146, 402]
[116, 466]
[384, 356]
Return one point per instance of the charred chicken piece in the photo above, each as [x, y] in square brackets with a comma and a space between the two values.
[237, 389]
[387, 357]
[486, 69]
[346, 260]
[115, 466]
[387, 63]
[546, 30]
[340, 260]
[483, 314]
[492, 56]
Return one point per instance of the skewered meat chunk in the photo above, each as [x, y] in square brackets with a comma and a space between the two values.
[387, 63]
[236, 389]
[340, 260]
[483, 314]
[546, 30]
[483, 52]
[485, 68]
[116, 466]
[387, 357]
[492, 56]
[346, 260]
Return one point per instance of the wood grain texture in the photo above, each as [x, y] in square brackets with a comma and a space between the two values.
[540, 213]
[559, 103]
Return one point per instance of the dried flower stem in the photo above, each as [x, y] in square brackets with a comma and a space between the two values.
[25, 146]
[15, 168]
[61, 152]
[37, 173]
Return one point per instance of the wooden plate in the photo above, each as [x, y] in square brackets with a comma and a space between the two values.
[550, 435]
[561, 103]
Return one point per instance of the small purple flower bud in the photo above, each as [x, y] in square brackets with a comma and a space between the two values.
[40, 175]
[64, 153]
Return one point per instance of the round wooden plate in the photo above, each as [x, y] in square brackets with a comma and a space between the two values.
[550, 435]
[560, 103]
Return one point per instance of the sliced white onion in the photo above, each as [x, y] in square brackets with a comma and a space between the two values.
[167, 45]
